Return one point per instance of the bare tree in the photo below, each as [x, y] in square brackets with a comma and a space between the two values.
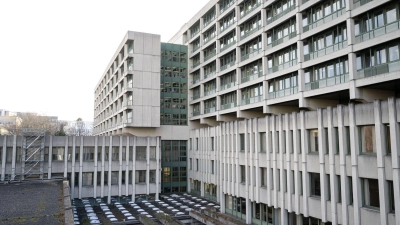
[78, 128]
[32, 121]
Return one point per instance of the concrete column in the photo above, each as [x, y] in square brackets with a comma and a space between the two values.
[50, 157]
[342, 160]
[109, 170]
[73, 167]
[322, 150]
[332, 176]
[304, 152]
[354, 146]
[381, 147]
[289, 150]
[350, 32]
[65, 157]
[127, 170]
[120, 168]
[296, 151]
[274, 162]
[14, 157]
[248, 168]
[158, 156]
[281, 141]
[80, 166]
[256, 161]
[395, 146]
[222, 155]
[3, 158]
[299, 24]
[103, 149]
[134, 169]
[236, 130]
[96, 150]
[268, 158]
[148, 166]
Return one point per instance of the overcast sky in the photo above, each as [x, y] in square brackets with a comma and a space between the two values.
[52, 53]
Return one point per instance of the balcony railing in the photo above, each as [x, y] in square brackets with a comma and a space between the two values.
[195, 33]
[210, 74]
[195, 48]
[251, 77]
[379, 69]
[324, 20]
[282, 66]
[284, 12]
[130, 67]
[330, 81]
[281, 40]
[227, 46]
[325, 51]
[210, 55]
[282, 93]
[196, 113]
[378, 32]
[130, 102]
[195, 65]
[360, 3]
[228, 65]
[206, 23]
[196, 81]
[221, 10]
[252, 100]
[248, 33]
[206, 93]
[228, 105]
[251, 54]
[129, 120]
[194, 97]
[223, 28]
[245, 13]
[209, 110]
[226, 86]
[209, 38]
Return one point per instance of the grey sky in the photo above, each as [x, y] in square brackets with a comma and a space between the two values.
[52, 53]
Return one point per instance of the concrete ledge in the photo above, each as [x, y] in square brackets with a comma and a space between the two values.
[68, 213]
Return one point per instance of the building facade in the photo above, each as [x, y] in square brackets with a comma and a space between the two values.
[101, 166]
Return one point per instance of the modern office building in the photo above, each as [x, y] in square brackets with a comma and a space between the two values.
[287, 90]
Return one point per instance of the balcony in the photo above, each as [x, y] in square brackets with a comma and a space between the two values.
[360, 3]
[129, 120]
[248, 33]
[282, 66]
[210, 55]
[251, 54]
[196, 81]
[224, 67]
[206, 23]
[209, 38]
[325, 51]
[245, 13]
[281, 40]
[129, 103]
[195, 65]
[379, 69]
[130, 67]
[196, 113]
[284, 12]
[324, 20]
[195, 33]
[227, 46]
[195, 48]
[228, 105]
[252, 100]
[282, 93]
[226, 86]
[378, 32]
[209, 110]
[194, 97]
[207, 93]
[251, 77]
[222, 29]
[221, 10]
[330, 81]
[210, 74]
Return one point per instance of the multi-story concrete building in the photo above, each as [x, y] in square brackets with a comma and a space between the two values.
[278, 83]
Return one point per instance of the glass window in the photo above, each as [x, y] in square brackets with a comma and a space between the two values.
[394, 53]
[140, 176]
[141, 153]
[313, 140]
[87, 179]
[263, 142]
[88, 153]
[388, 144]
[58, 153]
[367, 139]
[370, 192]
[242, 174]
[391, 14]
[315, 184]
[242, 142]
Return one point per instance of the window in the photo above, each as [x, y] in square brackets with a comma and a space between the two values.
[77, 151]
[315, 184]
[350, 179]
[88, 153]
[140, 176]
[212, 166]
[87, 179]
[197, 164]
[367, 138]
[313, 140]
[263, 174]
[388, 144]
[242, 142]
[141, 152]
[212, 143]
[58, 153]
[328, 182]
[339, 187]
[391, 196]
[152, 176]
[152, 153]
[242, 174]
[370, 190]
[190, 163]
[190, 144]
[263, 140]
[197, 144]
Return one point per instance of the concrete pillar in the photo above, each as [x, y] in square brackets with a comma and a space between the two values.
[73, 167]
[109, 170]
[268, 158]
[3, 157]
[296, 151]
[50, 157]
[14, 157]
[80, 166]
[274, 162]
[103, 152]
[96, 150]
[158, 156]
[332, 177]
[134, 169]
[127, 162]
[120, 167]
[65, 157]
[342, 161]
[148, 166]
[354, 146]
[287, 160]
[304, 152]
[322, 150]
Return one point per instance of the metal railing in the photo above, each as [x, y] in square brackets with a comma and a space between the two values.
[282, 93]
[209, 38]
[252, 100]
[209, 56]
[284, 12]
[379, 69]
[129, 120]
[196, 113]
[194, 97]
[378, 31]
[206, 93]
[330, 81]
[281, 40]
[206, 23]
[248, 33]
[196, 48]
[196, 81]
[360, 3]
[245, 13]
[226, 86]
[251, 54]
[324, 20]
[325, 51]
[228, 105]
[223, 28]
[194, 34]
[209, 110]
[195, 65]
[227, 46]
[283, 66]
[251, 77]
[210, 74]
[221, 10]
[228, 65]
